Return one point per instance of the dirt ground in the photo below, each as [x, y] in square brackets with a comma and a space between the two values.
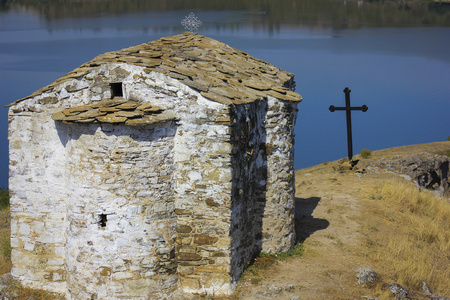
[327, 214]
[330, 211]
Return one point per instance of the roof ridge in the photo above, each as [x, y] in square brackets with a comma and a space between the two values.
[201, 61]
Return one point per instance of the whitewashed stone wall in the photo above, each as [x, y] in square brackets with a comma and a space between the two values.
[38, 208]
[120, 208]
[187, 204]
[203, 175]
[278, 221]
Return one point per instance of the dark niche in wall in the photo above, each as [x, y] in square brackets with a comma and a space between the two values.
[116, 89]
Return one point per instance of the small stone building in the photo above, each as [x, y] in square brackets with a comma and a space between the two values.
[158, 168]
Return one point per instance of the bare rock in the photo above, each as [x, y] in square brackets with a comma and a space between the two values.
[426, 170]
[400, 292]
[403, 293]
[366, 275]
[425, 288]
[289, 287]
[275, 289]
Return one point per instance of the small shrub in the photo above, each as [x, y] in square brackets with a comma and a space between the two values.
[290, 177]
[448, 138]
[4, 198]
[296, 251]
[266, 260]
[365, 153]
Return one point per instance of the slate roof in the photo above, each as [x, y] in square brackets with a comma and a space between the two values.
[218, 71]
[118, 110]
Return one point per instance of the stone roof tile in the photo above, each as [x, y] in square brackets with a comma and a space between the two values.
[197, 60]
[115, 111]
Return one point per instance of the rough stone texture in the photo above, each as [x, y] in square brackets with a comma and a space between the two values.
[278, 221]
[152, 170]
[426, 170]
[120, 239]
[115, 111]
[366, 276]
[401, 293]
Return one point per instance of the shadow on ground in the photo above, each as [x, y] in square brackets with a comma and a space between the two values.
[305, 223]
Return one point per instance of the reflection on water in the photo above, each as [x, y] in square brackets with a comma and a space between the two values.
[262, 14]
[393, 63]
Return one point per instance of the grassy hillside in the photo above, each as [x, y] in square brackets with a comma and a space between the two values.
[348, 220]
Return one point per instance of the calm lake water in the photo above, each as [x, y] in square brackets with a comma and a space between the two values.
[395, 58]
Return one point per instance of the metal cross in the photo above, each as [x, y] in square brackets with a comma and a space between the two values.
[191, 22]
[348, 110]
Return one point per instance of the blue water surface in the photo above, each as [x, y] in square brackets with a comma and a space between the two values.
[401, 73]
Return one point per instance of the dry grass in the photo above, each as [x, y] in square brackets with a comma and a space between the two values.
[412, 236]
[405, 233]
[5, 255]
[5, 265]
[439, 148]
[5, 246]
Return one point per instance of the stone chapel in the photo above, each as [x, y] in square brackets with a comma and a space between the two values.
[159, 168]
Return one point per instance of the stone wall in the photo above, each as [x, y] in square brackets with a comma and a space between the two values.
[106, 211]
[202, 158]
[278, 222]
[203, 200]
[120, 209]
[249, 166]
[38, 208]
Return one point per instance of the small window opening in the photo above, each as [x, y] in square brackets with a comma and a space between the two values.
[102, 219]
[116, 89]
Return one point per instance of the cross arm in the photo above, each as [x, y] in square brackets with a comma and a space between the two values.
[364, 108]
